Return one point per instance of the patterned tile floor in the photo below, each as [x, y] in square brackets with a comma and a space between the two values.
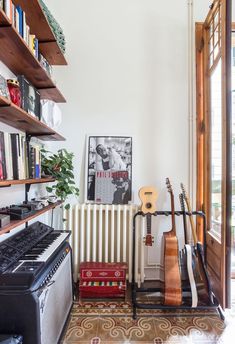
[111, 322]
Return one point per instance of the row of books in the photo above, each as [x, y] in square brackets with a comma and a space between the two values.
[18, 160]
[18, 18]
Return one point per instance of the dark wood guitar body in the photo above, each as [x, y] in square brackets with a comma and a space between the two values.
[173, 290]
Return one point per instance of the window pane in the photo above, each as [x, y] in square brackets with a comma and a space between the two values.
[216, 149]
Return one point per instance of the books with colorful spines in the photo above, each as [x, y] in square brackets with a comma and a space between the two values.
[20, 26]
[37, 162]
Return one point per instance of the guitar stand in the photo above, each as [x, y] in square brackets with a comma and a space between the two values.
[213, 302]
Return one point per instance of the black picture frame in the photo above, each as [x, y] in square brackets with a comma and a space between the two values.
[110, 154]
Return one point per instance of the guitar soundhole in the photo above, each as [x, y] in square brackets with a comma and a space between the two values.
[148, 205]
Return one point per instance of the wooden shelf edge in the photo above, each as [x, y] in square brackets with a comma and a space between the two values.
[6, 183]
[15, 223]
[52, 52]
[16, 117]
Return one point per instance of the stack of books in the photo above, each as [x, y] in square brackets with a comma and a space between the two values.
[18, 160]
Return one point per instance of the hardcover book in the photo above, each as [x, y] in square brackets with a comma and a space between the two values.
[30, 97]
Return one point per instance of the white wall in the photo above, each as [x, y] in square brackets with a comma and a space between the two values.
[127, 74]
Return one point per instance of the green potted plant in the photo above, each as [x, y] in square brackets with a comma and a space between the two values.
[60, 166]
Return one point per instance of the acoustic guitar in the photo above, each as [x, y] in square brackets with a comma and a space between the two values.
[148, 197]
[173, 291]
[199, 268]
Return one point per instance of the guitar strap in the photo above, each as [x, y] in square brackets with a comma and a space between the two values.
[193, 287]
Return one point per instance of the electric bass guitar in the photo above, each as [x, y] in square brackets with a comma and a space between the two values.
[173, 290]
[148, 197]
[199, 268]
[187, 258]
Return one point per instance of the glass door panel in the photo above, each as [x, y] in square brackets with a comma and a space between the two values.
[216, 150]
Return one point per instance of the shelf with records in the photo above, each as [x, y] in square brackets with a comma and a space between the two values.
[15, 223]
[38, 23]
[16, 117]
[20, 59]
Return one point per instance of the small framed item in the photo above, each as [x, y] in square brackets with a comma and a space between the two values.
[4, 92]
[108, 170]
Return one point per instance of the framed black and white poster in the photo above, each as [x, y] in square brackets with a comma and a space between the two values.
[109, 169]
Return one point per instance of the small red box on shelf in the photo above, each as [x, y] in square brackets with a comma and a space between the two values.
[106, 280]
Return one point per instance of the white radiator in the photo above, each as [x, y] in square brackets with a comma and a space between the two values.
[103, 233]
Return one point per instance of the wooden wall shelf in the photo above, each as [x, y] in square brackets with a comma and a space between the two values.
[15, 223]
[41, 28]
[16, 117]
[17, 56]
[5, 183]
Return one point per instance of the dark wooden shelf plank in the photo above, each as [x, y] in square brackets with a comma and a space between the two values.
[15, 223]
[52, 53]
[17, 56]
[40, 27]
[4, 20]
[5, 183]
[53, 94]
[16, 117]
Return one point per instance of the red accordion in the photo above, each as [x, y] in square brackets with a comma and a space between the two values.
[106, 280]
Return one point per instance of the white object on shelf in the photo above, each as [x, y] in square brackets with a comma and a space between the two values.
[50, 114]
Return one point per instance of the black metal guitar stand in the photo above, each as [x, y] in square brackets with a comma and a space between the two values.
[212, 302]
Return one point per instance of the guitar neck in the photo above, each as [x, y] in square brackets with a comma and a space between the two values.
[184, 219]
[149, 223]
[194, 231]
[173, 230]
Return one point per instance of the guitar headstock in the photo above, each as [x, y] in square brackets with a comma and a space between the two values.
[184, 193]
[169, 187]
[181, 197]
[148, 196]
[185, 196]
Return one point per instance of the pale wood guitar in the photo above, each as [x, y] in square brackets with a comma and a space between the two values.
[173, 290]
[199, 268]
[148, 196]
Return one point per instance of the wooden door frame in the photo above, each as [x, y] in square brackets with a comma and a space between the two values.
[203, 139]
